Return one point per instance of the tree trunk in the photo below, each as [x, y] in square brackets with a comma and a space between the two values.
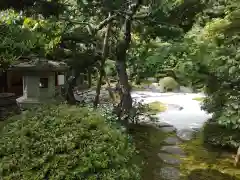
[125, 104]
[89, 73]
[69, 91]
[102, 65]
[110, 91]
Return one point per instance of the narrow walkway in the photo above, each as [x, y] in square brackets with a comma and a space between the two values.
[182, 119]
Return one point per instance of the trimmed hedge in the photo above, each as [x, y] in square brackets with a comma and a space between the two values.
[65, 142]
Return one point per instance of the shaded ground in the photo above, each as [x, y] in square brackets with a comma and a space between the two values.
[148, 142]
[209, 174]
[204, 162]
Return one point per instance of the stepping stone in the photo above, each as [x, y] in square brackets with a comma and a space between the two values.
[172, 141]
[164, 124]
[168, 129]
[186, 134]
[173, 150]
[169, 159]
[169, 173]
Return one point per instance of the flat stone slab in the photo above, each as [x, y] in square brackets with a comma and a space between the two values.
[169, 159]
[164, 124]
[172, 141]
[170, 173]
[173, 150]
[168, 129]
[186, 134]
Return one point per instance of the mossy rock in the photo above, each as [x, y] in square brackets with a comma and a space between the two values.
[169, 84]
[157, 107]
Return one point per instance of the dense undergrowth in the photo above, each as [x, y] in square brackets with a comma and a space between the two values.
[65, 142]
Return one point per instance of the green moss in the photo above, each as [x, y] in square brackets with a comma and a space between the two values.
[148, 141]
[207, 163]
[199, 99]
[156, 107]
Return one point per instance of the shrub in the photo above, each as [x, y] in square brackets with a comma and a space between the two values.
[168, 84]
[218, 135]
[65, 142]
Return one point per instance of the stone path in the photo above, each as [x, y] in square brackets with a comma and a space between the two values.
[170, 154]
[182, 119]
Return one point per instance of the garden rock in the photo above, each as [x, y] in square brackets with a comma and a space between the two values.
[186, 134]
[173, 150]
[164, 124]
[170, 173]
[169, 159]
[172, 141]
[168, 129]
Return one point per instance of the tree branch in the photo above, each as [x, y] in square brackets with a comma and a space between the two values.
[104, 22]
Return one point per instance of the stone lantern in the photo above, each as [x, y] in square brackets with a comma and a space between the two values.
[42, 80]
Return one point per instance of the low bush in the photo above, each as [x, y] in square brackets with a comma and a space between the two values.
[65, 142]
[168, 84]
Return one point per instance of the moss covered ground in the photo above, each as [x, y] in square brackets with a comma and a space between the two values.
[200, 99]
[207, 163]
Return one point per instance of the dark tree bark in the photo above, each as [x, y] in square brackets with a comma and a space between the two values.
[121, 54]
[103, 59]
[89, 74]
[69, 91]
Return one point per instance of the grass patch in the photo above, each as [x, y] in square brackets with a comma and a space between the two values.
[204, 162]
[200, 99]
[156, 107]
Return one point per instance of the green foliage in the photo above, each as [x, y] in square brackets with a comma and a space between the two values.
[219, 135]
[24, 36]
[208, 56]
[168, 84]
[65, 142]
